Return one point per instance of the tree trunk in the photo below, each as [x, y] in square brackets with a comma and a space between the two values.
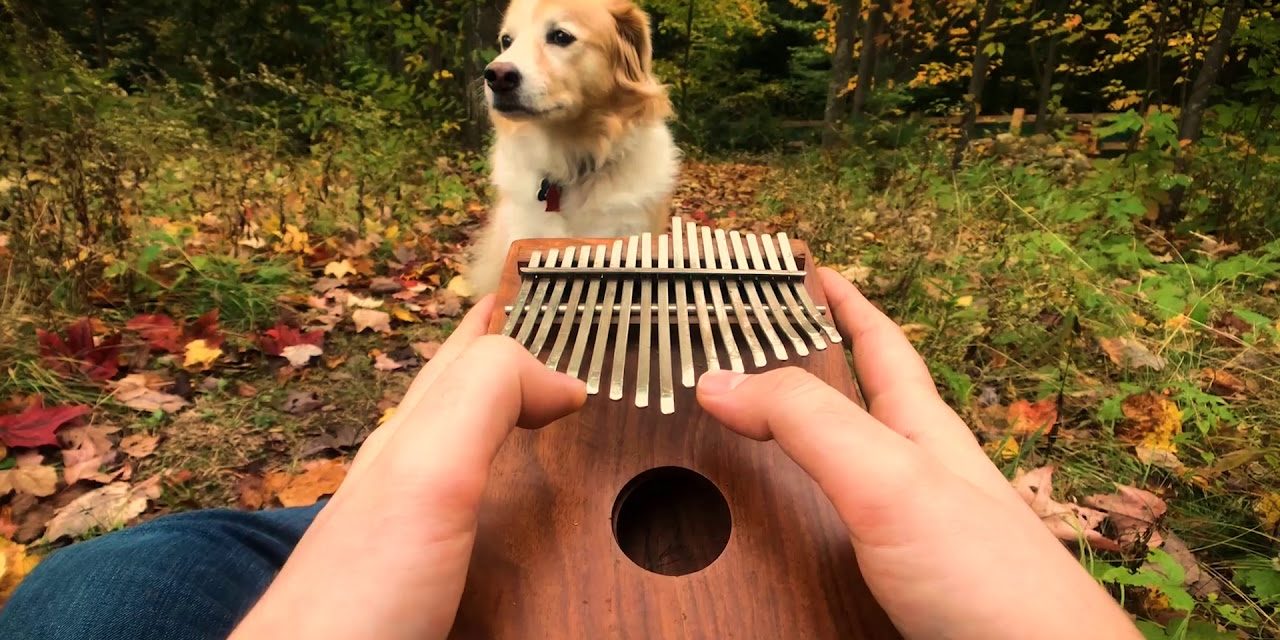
[480, 26]
[981, 60]
[1045, 93]
[1193, 114]
[841, 70]
[866, 60]
[100, 31]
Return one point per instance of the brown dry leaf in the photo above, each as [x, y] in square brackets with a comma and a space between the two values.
[915, 332]
[29, 476]
[383, 362]
[141, 391]
[1130, 353]
[1026, 418]
[1164, 458]
[139, 445]
[1066, 521]
[15, 564]
[299, 355]
[1268, 511]
[102, 509]
[1133, 512]
[379, 321]
[1151, 421]
[200, 355]
[89, 450]
[426, 350]
[301, 402]
[354, 300]
[1201, 582]
[252, 492]
[1222, 382]
[319, 478]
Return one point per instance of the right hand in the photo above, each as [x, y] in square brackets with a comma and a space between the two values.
[943, 541]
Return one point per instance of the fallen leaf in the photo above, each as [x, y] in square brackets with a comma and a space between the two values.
[402, 314]
[1201, 582]
[301, 402]
[159, 330]
[427, 350]
[29, 475]
[460, 287]
[1221, 382]
[35, 426]
[1151, 421]
[382, 362]
[77, 352]
[346, 437]
[206, 328]
[339, 269]
[857, 274]
[1066, 521]
[1133, 513]
[384, 285]
[141, 391]
[1268, 511]
[1026, 418]
[251, 492]
[378, 321]
[915, 332]
[299, 355]
[447, 304]
[354, 300]
[1130, 353]
[15, 564]
[89, 449]
[1162, 457]
[139, 445]
[319, 478]
[200, 355]
[102, 509]
[964, 301]
[280, 337]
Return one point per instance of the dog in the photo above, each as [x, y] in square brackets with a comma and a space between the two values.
[581, 143]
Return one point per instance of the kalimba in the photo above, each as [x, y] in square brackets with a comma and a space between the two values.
[640, 516]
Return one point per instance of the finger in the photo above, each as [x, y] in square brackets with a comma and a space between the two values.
[473, 325]
[862, 466]
[449, 439]
[899, 389]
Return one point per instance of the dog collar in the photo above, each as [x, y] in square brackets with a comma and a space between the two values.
[549, 192]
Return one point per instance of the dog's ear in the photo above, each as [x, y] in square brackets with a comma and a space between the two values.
[635, 47]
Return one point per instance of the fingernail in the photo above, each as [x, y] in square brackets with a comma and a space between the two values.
[720, 381]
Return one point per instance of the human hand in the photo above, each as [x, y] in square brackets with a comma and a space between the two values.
[945, 544]
[387, 556]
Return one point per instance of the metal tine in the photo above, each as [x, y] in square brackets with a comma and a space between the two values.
[717, 302]
[666, 389]
[588, 314]
[797, 311]
[567, 322]
[526, 285]
[768, 286]
[538, 293]
[682, 302]
[753, 297]
[700, 302]
[553, 301]
[606, 316]
[734, 288]
[644, 354]
[624, 324]
[784, 246]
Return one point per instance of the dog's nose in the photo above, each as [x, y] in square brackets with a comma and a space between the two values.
[502, 76]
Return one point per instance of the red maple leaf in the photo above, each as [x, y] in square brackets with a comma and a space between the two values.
[35, 425]
[77, 352]
[159, 330]
[206, 328]
[275, 339]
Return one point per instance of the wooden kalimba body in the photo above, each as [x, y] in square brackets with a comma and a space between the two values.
[640, 516]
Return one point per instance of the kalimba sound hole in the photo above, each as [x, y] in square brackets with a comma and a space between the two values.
[671, 521]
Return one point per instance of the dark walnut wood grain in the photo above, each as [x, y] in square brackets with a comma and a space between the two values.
[547, 563]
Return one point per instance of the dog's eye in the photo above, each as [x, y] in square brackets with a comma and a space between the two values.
[505, 41]
[560, 38]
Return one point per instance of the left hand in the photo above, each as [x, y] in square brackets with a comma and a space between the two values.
[388, 556]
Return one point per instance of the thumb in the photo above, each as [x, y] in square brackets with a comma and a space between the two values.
[859, 463]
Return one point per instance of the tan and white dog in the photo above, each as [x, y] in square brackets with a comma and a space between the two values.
[581, 144]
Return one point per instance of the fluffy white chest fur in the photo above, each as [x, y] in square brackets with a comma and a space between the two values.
[628, 193]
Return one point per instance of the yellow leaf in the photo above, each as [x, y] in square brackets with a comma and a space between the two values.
[15, 564]
[339, 268]
[200, 354]
[403, 314]
[1153, 420]
[460, 286]
[1006, 449]
[1268, 511]
[964, 301]
[386, 415]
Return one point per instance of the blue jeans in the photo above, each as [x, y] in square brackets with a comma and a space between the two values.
[190, 576]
